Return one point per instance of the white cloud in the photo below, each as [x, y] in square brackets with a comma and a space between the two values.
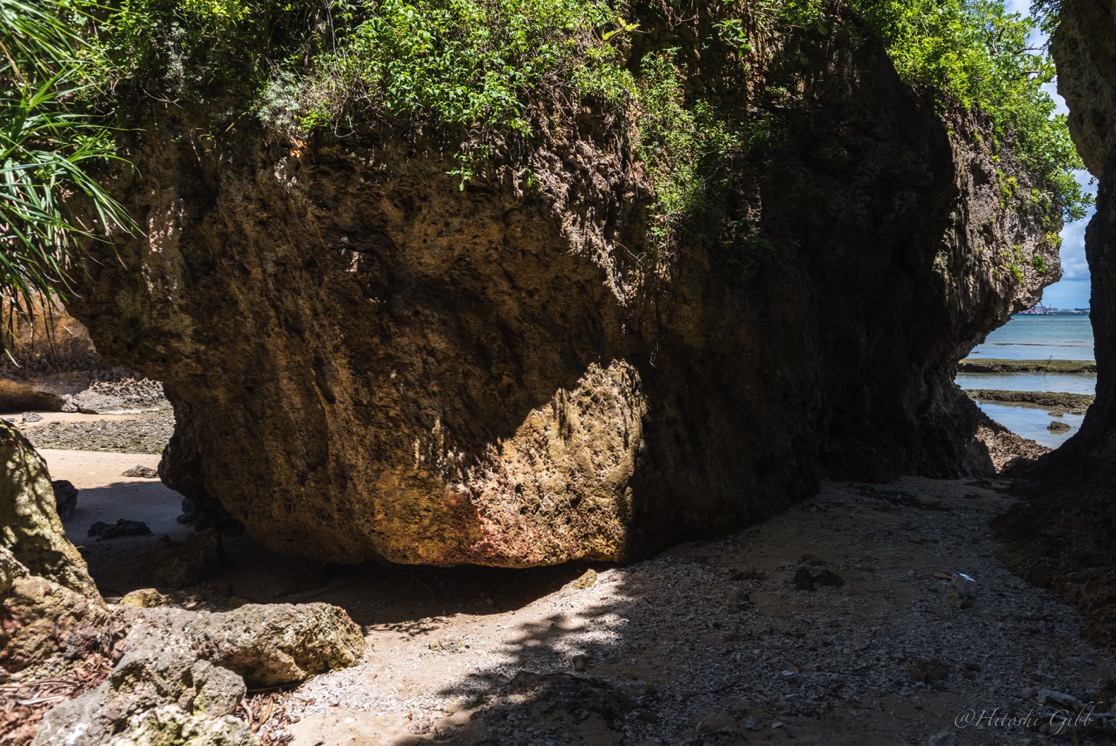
[1059, 102]
[1074, 266]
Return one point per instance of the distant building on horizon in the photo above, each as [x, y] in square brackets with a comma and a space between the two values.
[1040, 310]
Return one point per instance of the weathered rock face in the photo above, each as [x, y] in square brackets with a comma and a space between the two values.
[49, 606]
[43, 620]
[1065, 537]
[366, 361]
[181, 674]
[48, 340]
[267, 644]
[1083, 49]
[29, 525]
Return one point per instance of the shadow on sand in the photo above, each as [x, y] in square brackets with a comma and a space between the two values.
[713, 642]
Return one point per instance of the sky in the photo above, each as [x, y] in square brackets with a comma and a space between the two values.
[1072, 291]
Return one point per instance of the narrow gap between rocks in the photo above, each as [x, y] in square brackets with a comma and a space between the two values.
[1036, 374]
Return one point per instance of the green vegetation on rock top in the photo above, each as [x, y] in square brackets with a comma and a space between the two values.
[479, 75]
[976, 57]
[473, 69]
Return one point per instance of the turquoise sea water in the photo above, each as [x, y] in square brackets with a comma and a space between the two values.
[1040, 338]
[1035, 338]
[1068, 383]
[1031, 421]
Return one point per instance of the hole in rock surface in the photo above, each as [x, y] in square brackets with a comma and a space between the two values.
[1036, 374]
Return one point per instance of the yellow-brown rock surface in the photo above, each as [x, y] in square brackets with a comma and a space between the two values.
[370, 359]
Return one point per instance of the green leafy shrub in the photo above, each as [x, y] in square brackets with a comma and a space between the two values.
[48, 143]
[476, 74]
[198, 50]
[680, 146]
[471, 64]
[478, 66]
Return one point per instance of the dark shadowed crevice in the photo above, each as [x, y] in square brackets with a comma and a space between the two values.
[1064, 534]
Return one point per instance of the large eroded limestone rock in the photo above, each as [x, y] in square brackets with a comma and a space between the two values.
[1064, 537]
[368, 362]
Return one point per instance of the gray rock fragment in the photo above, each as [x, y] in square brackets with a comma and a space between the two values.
[182, 673]
[65, 498]
[1060, 699]
[179, 564]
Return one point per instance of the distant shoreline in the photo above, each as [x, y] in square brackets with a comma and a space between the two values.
[1066, 403]
[995, 365]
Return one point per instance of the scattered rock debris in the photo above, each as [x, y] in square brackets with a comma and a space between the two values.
[141, 472]
[65, 498]
[710, 643]
[182, 675]
[146, 432]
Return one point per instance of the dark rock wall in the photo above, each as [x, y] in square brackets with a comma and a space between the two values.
[368, 362]
[1064, 536]
[1084, 49]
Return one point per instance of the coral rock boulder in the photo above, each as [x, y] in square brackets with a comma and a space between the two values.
[369, 359]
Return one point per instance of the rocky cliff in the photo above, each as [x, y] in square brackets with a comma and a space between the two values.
[367, 361]
[1065, 536]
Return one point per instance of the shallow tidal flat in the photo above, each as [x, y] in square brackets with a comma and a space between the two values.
[1057, 402]
[1044, 400]
[1039, 367]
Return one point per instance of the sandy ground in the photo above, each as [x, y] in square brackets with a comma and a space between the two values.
[712, 643]
[105, 495]
[709, 643]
